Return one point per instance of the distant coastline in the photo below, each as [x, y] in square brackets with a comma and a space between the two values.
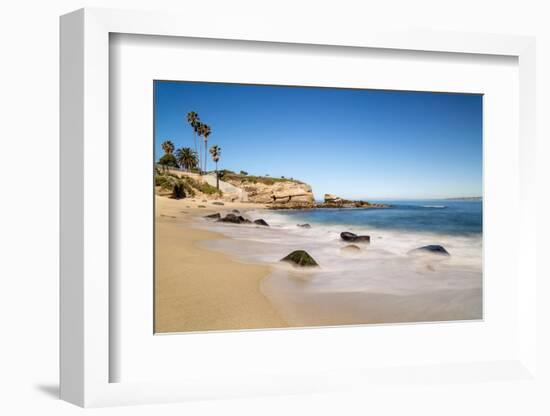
[467, 198]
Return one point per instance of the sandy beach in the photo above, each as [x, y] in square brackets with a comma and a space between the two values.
[216, 276]
[201, 290]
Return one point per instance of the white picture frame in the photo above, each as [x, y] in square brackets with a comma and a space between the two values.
[85, 220]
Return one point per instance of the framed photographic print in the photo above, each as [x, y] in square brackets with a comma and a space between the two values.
[254, 227]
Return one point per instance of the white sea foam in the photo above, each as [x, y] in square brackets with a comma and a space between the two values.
[382, 267]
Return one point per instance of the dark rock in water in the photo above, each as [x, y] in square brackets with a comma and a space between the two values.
[236, 211]
[261, 222]
[300, 258]
[351, 248]
[201, 206]
[232, 218]
[432, 249]
[347, 236]
[304, 225]
[217, 203]
[215, 216]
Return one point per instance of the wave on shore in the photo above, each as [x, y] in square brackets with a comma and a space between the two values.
[380, 283]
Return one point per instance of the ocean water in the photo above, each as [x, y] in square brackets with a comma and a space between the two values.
[381, 283]
[454, 217]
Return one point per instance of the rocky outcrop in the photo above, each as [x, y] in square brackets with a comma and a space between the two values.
[234, 219]
[300, 258]
[303, 225]
[215, 216]
[332, 201]
[430, 249]
[261, 222]
[351, 237]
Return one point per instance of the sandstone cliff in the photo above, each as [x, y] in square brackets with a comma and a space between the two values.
[273, 191]
[276, 193]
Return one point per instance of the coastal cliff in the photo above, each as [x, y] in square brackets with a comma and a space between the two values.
[274, 193]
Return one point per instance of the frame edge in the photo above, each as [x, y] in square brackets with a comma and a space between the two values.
[71, 218]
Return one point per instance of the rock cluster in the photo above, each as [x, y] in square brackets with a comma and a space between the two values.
[332, 201]
[233, 218]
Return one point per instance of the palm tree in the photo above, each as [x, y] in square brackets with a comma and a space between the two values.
[216, 151]
[168, 147]
[206, 131]
[168, 159]
[193, 120]
[186, 158]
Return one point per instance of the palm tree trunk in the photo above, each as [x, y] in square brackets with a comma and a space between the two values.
[205, 159]
[217, 178]
[196, 151]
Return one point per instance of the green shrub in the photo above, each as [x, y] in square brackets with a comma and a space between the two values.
[163, 181]
[203, 187]
[168, 161]
[188, 188]
[178, 192]
[206, 188]
[178, 185]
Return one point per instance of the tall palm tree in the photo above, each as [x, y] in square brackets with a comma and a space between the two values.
[216, 152]
[186, 158]
[193, 120]
[199, 128]
[206, 131]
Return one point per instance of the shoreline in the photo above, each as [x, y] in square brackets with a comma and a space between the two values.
[348, 289]
[379, 284]
[197, 289]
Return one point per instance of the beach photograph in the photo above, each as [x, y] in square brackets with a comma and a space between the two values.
[295, 207]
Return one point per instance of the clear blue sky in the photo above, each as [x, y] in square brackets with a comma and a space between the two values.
[354, 143]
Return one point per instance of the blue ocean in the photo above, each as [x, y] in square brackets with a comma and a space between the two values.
[451, 217]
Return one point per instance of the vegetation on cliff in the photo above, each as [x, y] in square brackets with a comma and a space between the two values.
[181, 186]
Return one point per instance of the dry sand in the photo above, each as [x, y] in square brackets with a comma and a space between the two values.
[201, 290]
